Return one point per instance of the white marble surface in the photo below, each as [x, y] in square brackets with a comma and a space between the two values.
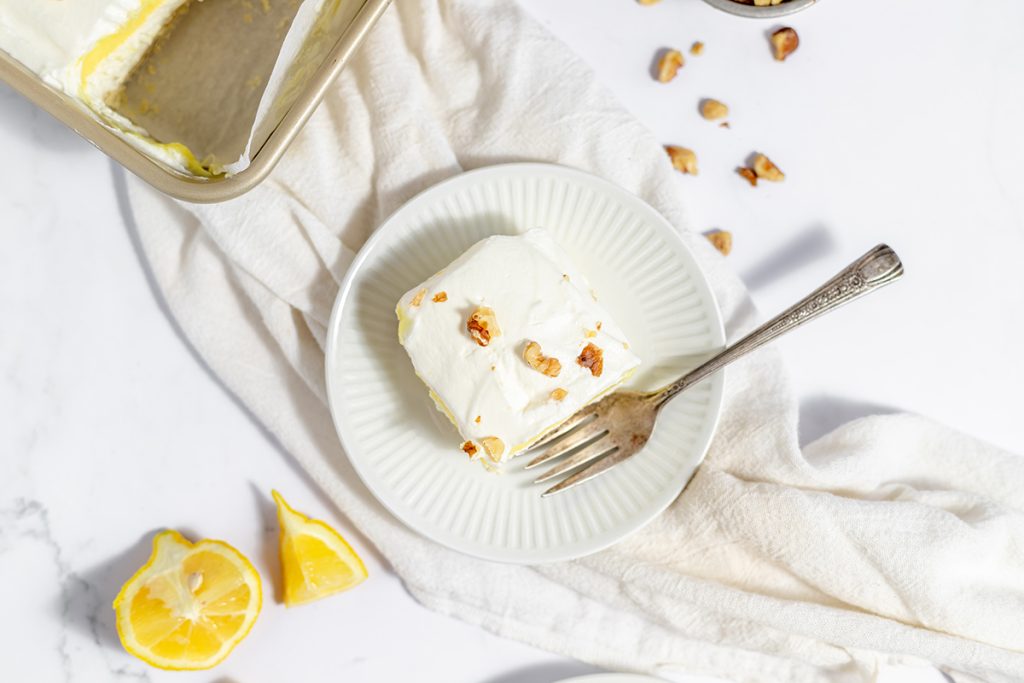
[894, 121]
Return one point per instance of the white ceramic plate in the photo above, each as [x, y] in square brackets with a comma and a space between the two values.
[408, 454]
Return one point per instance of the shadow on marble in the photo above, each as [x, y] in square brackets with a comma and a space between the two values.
[267, 511]
[86, 602]
[342, 467]
[22, 117]
[546, 673]
[806, 247]
[821, 414]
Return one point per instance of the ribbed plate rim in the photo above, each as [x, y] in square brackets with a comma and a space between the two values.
[394, 222]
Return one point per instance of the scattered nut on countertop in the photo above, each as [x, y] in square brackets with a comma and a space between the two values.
[766, 170]
[785, 41]
[722, 239]
[483, 325]
[469, 448]
[669, 64]
[748, 174]
[539, 362]
[697, 49]
[713, 110]
[418, 298]
[592, 358]
[440, 297]
[683, 159]
[559, 394]
[493, 446]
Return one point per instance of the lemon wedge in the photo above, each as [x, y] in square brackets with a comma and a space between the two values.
[315, 560]
[189, 605]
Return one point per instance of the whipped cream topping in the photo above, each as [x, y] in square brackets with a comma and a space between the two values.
[537, 295]
[86, 48]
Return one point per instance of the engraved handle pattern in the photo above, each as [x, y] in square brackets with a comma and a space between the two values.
[873, 270]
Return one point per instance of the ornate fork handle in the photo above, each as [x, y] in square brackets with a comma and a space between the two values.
[873, 270]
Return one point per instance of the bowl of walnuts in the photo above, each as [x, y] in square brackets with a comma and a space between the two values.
[761, 9]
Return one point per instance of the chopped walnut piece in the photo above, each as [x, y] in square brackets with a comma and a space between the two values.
[539, 362]
[440, 297]
[494, 447]
[559, 394]
[750, 176]
[697, 49]
[592, 358]
[724, 124]
[669, 64]
[598, 325]
[477, 420]
[418, 298]
[713, 110]
[722, 239]
[683, 159]
[766, 170]
[469, 448]
[784, 42]
[483, 325]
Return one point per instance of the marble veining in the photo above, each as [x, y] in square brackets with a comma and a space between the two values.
[83, 615]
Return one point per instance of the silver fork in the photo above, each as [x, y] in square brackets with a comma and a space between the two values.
[617, 427]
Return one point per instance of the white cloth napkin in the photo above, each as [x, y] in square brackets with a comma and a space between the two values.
[892, 539]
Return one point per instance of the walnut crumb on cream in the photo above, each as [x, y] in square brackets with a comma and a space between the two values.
[483, 325]
[536, 359]
[418, 298]
[592, 358]
[559, 394]
[440, 297]
[469, 448]
[493, 447]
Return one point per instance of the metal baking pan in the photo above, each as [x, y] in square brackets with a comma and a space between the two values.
[190, 188]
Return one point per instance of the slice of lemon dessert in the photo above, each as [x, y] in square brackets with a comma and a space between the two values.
[511, 342]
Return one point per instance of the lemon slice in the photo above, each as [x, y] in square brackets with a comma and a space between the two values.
[189, 605]
[316, 561]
